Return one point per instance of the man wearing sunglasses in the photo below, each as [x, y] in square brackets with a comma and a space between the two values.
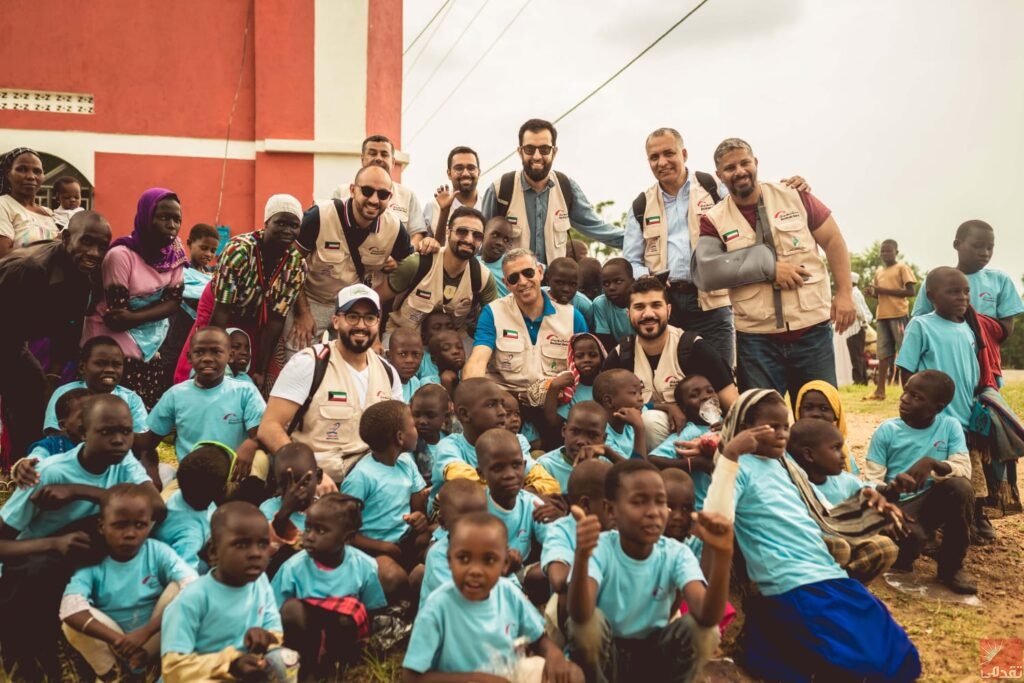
[345, 242]
[456, 282]
[355, 379]
[542, 204]
[464, 174]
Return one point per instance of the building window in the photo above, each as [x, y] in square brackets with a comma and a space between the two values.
[37, 100]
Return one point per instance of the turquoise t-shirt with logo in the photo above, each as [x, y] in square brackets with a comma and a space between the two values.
[224, 413]
[896, 446]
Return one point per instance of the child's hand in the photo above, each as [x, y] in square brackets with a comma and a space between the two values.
[589, 452]
[588, 531]
[244, 456]
[52, 497]
[129, 645]
[557, 669]
[545, 512]
[391, 550]
[248, 668]
[24, 473]
[920, 471]
[562, 381]
[416, 520]
[747, 441]
[258, 640]
[295, 493]
[515, 561]
[78, 540]
[877, 501]
[714, 529]
[687, 449]
[903, 483]
[631, 416]
[676, 417]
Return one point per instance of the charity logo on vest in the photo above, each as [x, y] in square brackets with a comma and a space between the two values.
[555, 340]
[377, 251]
[561, 214]
[332, 432]
[784, 215]
[704, 205]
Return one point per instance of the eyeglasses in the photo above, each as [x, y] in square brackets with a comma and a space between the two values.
[368, 191]
[463, 233]
[528, 273]
[530, 150]
[353, 318]
[465, 168]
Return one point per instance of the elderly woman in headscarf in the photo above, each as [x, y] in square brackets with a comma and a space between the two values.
[22, 221]
[142, 282]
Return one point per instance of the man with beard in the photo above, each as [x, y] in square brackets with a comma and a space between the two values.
[661, 355]
[544, 203]
[784, 311]
[464, 173]
[322, 392]
[345, 242]
[44, 291]
[456, 282]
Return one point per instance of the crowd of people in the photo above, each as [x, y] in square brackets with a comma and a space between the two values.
[234, 465]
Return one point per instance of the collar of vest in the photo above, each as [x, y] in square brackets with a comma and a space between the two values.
[525, 184]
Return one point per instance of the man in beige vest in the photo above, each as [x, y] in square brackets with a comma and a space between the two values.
[355, 378]
[542, 204]
[783, 304]
[464, 174]
[345, 242]
[523, 339]
[661, 355]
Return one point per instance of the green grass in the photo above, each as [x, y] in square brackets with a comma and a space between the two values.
[853, 402]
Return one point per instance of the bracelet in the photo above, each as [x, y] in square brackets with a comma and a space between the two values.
[85, 626]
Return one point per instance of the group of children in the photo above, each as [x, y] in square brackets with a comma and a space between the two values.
[597, 559]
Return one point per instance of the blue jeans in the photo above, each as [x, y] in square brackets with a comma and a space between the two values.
[715, 325]
[764, 363]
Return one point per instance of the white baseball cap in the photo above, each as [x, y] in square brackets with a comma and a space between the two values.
[348, 296]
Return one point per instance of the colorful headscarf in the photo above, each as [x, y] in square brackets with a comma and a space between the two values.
[171, 256]
[567, 393]
[7, 163]
[737, 415]
[831, 395]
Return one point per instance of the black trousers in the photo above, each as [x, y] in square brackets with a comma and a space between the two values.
[855, 344]
[947, 505]
[22, 388]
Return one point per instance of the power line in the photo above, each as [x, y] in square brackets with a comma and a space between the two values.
[470, 72]
[610, 78]
[451, 49]
[424, 29]
[231, 115]
[433, 32]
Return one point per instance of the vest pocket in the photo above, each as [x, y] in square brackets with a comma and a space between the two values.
[331, 252]
[793, 238]
[418, 306]
[815, 294]
[554, 356]
[560, 231]
[753, 302]
[509, 354]
[332, 411]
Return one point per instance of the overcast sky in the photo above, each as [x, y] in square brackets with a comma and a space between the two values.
[906, 116]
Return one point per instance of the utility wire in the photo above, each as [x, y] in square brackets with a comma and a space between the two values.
[424, 29]
[609, 79]
[426, 44]
[231, 114]
[448, 54]
[469, 73]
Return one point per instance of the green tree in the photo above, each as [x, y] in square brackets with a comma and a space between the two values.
[1013, 348]
[601, 252]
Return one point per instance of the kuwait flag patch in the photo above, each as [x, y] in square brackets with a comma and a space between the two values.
[423, 294]
[730, 236]
[332, 245]
[652, 220]
[337, 396]
[509, 334]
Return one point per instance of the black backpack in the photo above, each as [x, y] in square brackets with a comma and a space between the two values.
[627, 348]
[506, 187]
[706, 181]
[427, 262]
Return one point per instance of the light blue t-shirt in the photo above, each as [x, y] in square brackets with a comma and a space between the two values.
[896, 446]
[993, 293]
[838, 487]
[453, 634]
[22, 514]
[610, 319]
[436, 569]
[209, 616]
[428, 368]
[302, 577]
[455, 448]
[522, 530]
[409, 388]
[695, 545]
[271, 506]
[224, 413]
[498, 274]
[385, 491]
[134, 401]
[558, 466]
[559, 542]
[620, 442]
[667, 449]
[636, 596]
[185, 529]
[934, 343]
[584, 392]
[128, 591]
[780, 541]
[581, 302]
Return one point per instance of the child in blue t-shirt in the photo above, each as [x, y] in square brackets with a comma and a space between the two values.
[405, 352]
[586, 359]
[394, 527]
[783, 636]
[297, 476]
[922, 456]
[699, 402]
[327, 592]
[584, 435]
[620, 393]
[240, 354]
[223, 625]
[202, 485]
[430, 407]
[611, 320]
[458, 497]
[449, 357]
[210, 406]
[432, 323]
[69, 416]
[471, 624]
[112, 610]
[817, 447]
[625, 582]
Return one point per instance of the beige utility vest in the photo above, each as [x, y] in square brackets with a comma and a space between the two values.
[556, 224]
[517, 362]
[660, 383]
[331, 425]
[401, 202]
[655, 229]
[428, 295]
[331, 266]
[753, 305]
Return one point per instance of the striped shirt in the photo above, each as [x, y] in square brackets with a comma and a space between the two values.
[242, 282]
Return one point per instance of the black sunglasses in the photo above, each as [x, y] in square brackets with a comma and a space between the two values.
[528, 273]
[368, 191]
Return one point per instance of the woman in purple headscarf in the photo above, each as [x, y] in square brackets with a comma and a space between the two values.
[142, 282]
